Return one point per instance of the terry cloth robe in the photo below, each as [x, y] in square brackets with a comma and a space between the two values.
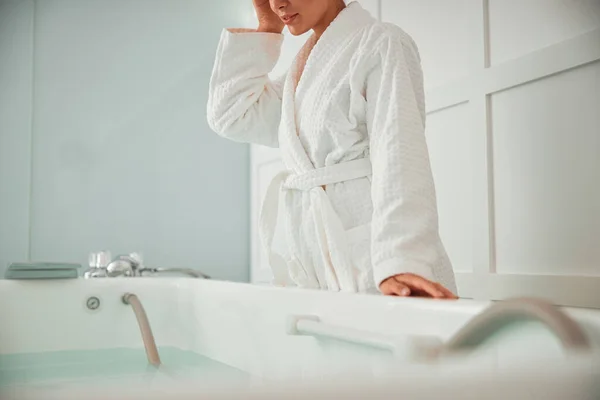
[349, 119]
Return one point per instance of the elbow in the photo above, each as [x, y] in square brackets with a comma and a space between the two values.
[216, 113]
[227, 127]
[218, 121]
[215, 125]
[242, 127]
[213, 116]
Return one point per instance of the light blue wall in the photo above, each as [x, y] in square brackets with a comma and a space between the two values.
[103, 136]
[16, 35]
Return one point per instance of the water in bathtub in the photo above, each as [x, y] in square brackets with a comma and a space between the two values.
[119, 366]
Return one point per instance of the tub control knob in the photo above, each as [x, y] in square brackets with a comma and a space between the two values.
[119, 268]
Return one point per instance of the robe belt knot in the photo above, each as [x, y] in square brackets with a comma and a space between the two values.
[324, 176]
[338, 271]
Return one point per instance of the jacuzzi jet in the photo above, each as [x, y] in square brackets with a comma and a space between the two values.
[142, 319]
[93, 303]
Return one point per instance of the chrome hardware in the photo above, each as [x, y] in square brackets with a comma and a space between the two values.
[186, 271]
[129, 266]
[92, 303]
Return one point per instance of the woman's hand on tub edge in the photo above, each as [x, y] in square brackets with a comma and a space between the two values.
[406, 285]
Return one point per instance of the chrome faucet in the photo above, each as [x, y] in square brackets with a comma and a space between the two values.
[125, 265]
[97, 265]
[129, 266]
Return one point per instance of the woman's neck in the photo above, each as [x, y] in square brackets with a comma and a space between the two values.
[328, 18]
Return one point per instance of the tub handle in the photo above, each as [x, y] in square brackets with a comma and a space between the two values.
[471, 336]
[409, 345]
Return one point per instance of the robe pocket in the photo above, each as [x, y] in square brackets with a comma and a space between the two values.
[359, 243]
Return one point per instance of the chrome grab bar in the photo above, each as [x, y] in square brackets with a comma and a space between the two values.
[144, 324]
[473, 334]
[412, 345]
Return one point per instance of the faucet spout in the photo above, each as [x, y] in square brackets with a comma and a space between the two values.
[186, 271]
[501, 314]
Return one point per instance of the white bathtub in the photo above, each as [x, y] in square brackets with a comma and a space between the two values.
[244, 327]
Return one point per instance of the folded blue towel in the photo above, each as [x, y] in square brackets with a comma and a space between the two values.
[42, 270]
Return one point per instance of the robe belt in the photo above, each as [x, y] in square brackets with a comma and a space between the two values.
[338, 273]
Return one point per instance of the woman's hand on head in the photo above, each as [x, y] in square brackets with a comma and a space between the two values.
[411, 285]
[268, 21]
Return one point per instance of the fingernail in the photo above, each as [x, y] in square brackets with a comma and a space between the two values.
[405, 292]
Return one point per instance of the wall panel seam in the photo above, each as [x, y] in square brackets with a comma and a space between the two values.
[31, 130]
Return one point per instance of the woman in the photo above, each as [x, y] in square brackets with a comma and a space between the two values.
[348, 117]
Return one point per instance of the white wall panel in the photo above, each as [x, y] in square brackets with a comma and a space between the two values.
[449, 138]
[442, 30]
[518, 27]
[546, 145]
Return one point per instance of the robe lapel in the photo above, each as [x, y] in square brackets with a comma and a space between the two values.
[347, 24]
[304, 72]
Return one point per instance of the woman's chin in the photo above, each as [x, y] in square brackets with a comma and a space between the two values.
[297, 30]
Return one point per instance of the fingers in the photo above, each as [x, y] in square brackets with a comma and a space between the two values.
[414, 285]
[424, 287]
[392, 287]
[448, 293]
[421, 284]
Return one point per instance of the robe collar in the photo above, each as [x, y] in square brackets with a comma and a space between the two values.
[317, 52]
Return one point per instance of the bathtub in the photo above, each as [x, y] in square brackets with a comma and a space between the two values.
[63, 338]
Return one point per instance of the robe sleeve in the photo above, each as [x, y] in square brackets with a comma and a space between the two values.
[244, 105]
[404, 229]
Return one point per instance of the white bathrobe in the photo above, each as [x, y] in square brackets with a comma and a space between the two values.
[349, 118]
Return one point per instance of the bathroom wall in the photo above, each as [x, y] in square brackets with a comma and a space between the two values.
[513, 93]
[103, 136]
[16, 35]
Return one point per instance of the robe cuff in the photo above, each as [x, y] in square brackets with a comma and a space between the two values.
[241, 30]
[248, 30]
[256, 50]
[246, 33]
[393, 267]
